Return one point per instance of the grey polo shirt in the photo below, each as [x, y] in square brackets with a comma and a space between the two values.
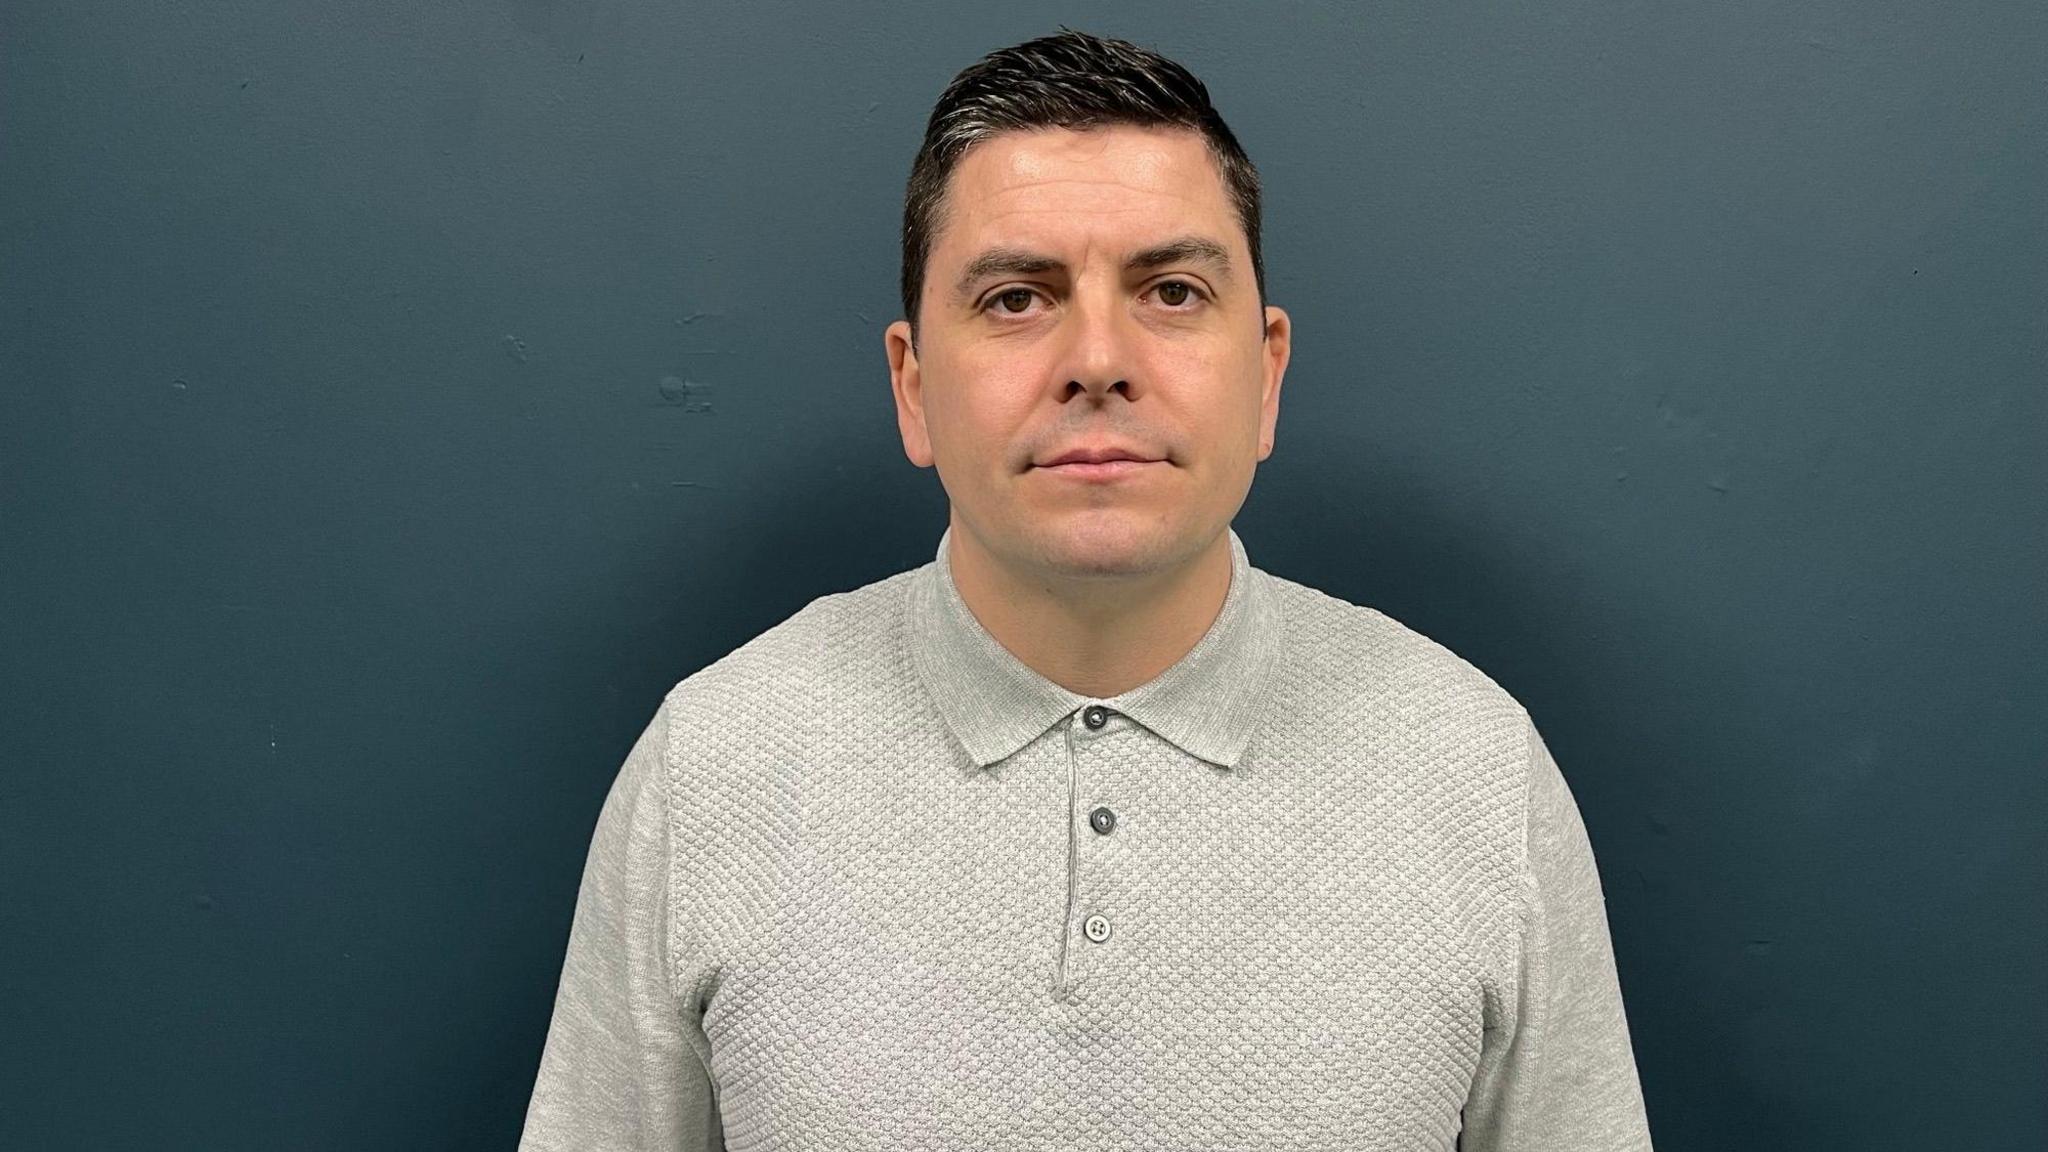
[871, 882]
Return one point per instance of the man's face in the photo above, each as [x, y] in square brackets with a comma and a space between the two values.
[1019, 363]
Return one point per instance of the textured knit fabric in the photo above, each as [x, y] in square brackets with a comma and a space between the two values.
[840, 896]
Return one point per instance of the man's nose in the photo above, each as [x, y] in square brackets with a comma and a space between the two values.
[1100, 335]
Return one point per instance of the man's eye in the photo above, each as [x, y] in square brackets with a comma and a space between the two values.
[1026, 293]
[1173, 293]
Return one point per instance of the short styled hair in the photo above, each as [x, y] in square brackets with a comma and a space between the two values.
[1068, 80]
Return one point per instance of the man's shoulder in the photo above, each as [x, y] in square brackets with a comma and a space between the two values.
[1356, 661]
[1399, 727]
[803, 662]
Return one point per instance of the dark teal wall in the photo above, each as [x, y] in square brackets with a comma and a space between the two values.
[397, 402]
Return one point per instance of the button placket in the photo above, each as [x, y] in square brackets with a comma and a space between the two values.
[1091, 920]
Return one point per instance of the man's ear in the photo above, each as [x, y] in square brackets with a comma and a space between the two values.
[1273, 356]
[906, 382]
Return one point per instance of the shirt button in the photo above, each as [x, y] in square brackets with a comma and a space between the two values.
[1095, 716]
[1102, 820]
[1096, 928]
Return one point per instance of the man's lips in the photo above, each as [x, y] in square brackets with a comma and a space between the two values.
[1107, 470]
[1100, 452]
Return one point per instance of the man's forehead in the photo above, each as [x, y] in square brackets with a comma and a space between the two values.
[1038, 153]
[1120, 161]
[1055, 190]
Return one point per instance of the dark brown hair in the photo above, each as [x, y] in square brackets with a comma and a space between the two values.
[1069, 80]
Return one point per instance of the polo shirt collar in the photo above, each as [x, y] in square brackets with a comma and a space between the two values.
[1208, 704]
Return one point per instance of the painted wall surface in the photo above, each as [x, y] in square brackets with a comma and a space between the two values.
[399, 398]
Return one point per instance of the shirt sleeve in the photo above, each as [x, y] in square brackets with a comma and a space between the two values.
[621, 1067]
[1559, 1075]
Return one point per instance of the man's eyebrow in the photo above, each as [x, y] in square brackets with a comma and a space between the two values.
[1002, 261]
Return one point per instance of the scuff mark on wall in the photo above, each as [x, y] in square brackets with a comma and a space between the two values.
[691, 395]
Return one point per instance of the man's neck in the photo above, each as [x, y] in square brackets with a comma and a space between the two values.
[1094, 637]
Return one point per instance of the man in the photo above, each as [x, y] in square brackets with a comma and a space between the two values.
[1088, 834]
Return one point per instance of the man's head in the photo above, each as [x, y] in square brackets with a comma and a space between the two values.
[1081, 269]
